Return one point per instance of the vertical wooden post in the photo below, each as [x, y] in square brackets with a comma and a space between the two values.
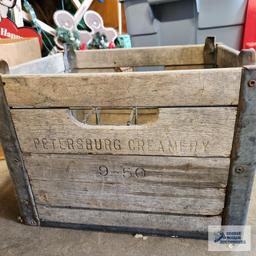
[243, 157]
[15, 163]
[210, 53]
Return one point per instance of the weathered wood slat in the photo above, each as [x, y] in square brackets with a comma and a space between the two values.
[168, 171]
[161, 199]
[48, 65]
[135, 57]
[137, 183]
[227, 57]
[168, 88]
[128, 219]
[177, 132]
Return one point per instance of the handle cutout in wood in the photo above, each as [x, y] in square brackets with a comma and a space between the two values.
[117, 117]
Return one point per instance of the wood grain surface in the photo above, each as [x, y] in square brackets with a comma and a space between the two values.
[207, 87]
[168, 171]
[134, 57]
[153, 198]
[147, 184]
[227, 57]
[198, 132]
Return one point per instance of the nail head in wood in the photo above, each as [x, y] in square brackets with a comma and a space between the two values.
[239, 169]
[252, 83]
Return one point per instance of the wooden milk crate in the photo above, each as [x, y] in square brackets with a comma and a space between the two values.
[160, 152]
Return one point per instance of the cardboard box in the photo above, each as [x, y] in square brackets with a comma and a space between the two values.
[17, 51]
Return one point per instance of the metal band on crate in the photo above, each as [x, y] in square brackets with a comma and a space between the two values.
[243, 157]
[15, 163]
[129, 230]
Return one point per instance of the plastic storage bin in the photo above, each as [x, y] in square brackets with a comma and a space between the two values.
[171, 22]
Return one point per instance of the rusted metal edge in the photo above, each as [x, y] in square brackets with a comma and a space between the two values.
[243, 156]
[15, 163]
[210, 52]
[247, 57]
[129, 230]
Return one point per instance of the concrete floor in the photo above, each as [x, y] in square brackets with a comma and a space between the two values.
[20, 240]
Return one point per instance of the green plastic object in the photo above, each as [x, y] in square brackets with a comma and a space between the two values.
[125, 40]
